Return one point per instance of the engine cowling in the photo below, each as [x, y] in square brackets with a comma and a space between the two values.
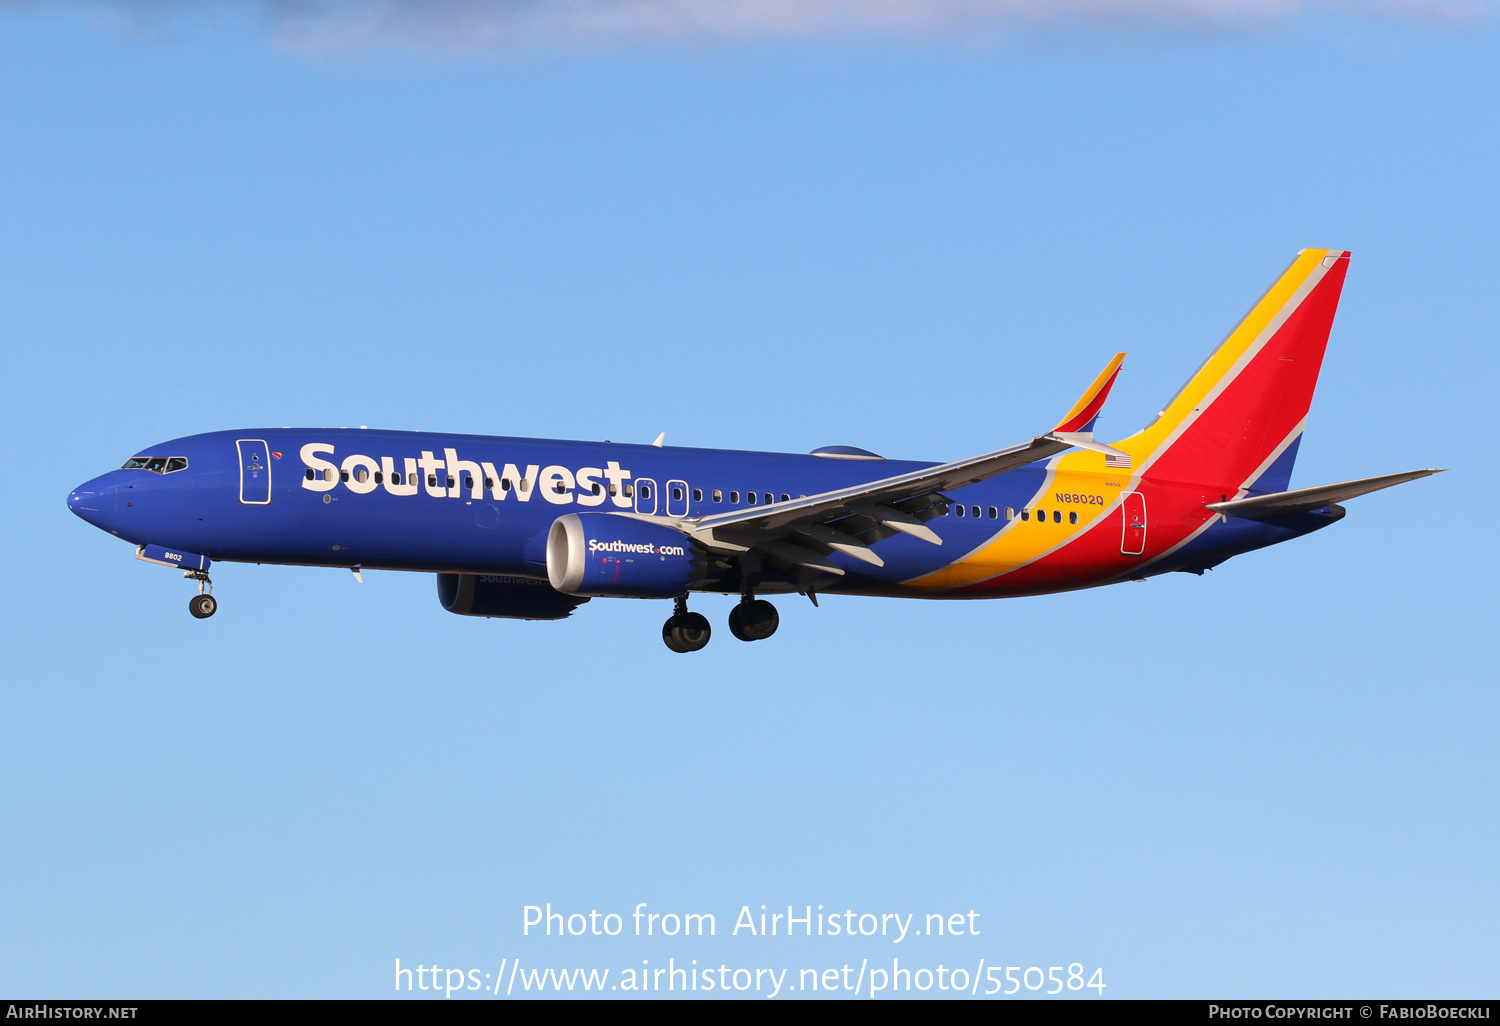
[618, 555]
[511, 598]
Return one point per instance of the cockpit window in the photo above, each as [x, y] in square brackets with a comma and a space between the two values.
[156, 464]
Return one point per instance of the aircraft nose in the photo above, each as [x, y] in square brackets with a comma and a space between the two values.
[94, 501]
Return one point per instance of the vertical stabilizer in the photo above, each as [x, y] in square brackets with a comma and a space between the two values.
[1236, 424]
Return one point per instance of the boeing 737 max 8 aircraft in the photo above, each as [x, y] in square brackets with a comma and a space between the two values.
[529, 528]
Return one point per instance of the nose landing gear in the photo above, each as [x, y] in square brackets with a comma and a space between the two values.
[202, 605]
[685, 631]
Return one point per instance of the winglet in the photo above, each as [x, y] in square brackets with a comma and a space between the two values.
[1077, 428]
[1080, 419]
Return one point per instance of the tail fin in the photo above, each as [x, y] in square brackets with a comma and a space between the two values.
[1236, 424]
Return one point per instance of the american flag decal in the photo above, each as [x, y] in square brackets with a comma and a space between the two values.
[1118, 462]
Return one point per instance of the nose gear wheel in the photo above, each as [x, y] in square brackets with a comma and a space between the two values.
[202, 605]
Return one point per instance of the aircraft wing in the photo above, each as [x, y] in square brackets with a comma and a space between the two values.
[1305, 500]
[851, 519]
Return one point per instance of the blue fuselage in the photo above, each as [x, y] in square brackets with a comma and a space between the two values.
[483, 505]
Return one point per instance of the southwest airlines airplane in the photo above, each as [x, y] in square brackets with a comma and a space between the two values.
[530, 529]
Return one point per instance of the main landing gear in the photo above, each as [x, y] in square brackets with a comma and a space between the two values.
[684, 631]
[202, 605]
[752, 620]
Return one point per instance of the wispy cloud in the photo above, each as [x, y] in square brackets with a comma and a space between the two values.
[521, 25]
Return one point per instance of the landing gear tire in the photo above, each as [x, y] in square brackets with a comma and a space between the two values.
[754, 620]
[203, 606]
[686, 632]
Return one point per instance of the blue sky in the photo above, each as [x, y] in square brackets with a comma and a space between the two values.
[1277, 780]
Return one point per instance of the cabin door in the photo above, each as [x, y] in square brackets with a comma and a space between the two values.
[255, 471]
[645, 496]
[1133, 536]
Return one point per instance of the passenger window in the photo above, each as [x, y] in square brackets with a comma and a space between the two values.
[505, 484]
[559, 488]
[676, 494]
[489, 482]
[630, 491]
[431, 480]
[1010, 513]
[450, 482]
[1025, 514]
[1072, 518]
[959, 510]
[645, 491]
[785, 497]
[974, 510]
[343, 475]
[718, 495]
[596, 489]
[769, 500]
[379, 477]
[309, 473]
[1057, 516]
[395, 477]
[468, 482]
[750, 498]
[994, 513]
[361, 475]
[327, 473]
[734, 498]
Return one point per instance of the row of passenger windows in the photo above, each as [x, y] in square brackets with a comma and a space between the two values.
[362, 475]
[156, 464]
[1010, 514]
[717, 495]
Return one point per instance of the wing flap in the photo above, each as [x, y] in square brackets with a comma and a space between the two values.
[889, 491]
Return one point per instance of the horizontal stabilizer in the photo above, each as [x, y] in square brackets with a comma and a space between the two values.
[1305, 500]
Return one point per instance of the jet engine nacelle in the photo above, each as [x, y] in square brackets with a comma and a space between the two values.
[511, 598]
[619, 555]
